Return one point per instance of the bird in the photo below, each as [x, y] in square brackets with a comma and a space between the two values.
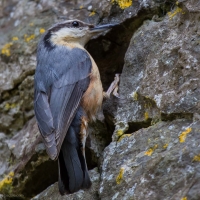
[67, 95]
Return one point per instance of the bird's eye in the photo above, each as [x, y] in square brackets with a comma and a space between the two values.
[75, 24]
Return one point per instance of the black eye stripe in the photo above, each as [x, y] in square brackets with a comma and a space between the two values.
[74, 24]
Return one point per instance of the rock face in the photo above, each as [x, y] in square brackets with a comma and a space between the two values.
[145, 143]
[52, 191]
[159, 162]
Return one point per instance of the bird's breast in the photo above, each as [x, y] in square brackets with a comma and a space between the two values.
[93, 97]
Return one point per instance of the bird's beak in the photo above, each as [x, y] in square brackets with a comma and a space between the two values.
[97, 29]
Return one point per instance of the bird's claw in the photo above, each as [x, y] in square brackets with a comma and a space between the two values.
[113, 88]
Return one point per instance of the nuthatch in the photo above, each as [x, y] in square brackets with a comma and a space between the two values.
[68, 94]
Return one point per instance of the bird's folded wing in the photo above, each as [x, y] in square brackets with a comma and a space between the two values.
[58, 97]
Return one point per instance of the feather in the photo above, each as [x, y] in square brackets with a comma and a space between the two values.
[61, 78]
[72, 162]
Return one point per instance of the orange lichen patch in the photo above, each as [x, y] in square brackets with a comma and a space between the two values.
[175, 12]
[92, 13]
[123, 3]
[196, 158]
[15, 38]
[119, 177]
[184, 198]
[183, 135]
[6, 49]
[6, 181]
[29, 38]
[165, 146]
[146, 115]
[124, 136]
[42, 30]
[151, 150]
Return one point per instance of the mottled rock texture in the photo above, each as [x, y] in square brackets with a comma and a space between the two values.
[52, 192]
[151, 132]
[159, 162]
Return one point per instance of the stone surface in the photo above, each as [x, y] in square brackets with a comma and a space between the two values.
[5, 154]
[23, 161]
[159, 162]
[24, 157]
[52, 191]
[160, 78]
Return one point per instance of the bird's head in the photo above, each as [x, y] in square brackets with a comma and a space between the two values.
[73, 32]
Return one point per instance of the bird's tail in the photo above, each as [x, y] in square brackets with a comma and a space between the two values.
[73, 172]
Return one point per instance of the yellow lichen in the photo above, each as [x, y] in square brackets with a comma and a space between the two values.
[183, 135]
[92, 13]
[123, 136]
[135, 96]
[42, 30]
[165, 146]
[29, 38]
[9, 106]
[120, 132]
[123, 3]
[15, 38]
[151, 150]
[146, 115]
[196, 158]
[31, 24]
[6, 181]
[147, 105]
[175, 12]
[6, 49]
[120, 176]
[81, 7]
[184, 198]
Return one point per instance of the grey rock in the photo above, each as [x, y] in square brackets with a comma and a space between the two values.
[5, 155]
[25, 141]
[160, 78]
[153, 163]
[52, 191]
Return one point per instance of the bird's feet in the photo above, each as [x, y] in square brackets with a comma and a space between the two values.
[113, 88]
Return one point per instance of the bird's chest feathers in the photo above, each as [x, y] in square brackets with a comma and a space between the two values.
[93, 97]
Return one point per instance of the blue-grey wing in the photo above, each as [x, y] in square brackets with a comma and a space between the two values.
[61, 79]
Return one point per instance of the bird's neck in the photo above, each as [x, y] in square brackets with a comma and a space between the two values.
[69, 42]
